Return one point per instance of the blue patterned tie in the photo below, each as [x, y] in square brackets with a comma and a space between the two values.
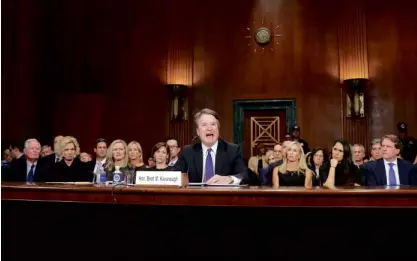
[30, 174]
[209, 166]
[392, 179]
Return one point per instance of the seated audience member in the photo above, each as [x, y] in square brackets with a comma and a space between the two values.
[70, 168]
[265, 176]
[319, 165]
[117, 156]
[342, 171]
[390, 170]
[151, 162]
[56, 156]
[278, 152]
[85, 157]
[7, 158]
[16, 151]
[212, 160]
[100, 160]
[29, 168]
[256, 163]
[375, 150]
[174, 151]
[288, 137]
[161, 156]
[135, 155]
[270, 157]
[358, 151]
[293, 171]
[46, 150]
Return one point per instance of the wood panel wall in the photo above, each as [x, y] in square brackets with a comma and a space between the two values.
[125, 52]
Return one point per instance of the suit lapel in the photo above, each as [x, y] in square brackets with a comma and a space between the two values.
[402, 173]
[219, 157]
[380, 172]
[198, 160]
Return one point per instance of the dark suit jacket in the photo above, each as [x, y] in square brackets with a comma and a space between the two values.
[229, 161]
[18, 171]
[375, 174]
[265, 175]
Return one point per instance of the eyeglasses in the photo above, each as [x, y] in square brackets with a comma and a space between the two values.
[172, 147]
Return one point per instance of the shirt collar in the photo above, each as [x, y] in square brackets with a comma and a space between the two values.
[29, 164]
[387, 162]
[213, 148]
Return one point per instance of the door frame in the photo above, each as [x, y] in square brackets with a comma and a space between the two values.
[240, 106]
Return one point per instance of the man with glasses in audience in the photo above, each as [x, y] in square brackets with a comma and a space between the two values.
[174, 150]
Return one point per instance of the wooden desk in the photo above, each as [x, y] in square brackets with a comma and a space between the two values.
[144, 223]
[215, 196]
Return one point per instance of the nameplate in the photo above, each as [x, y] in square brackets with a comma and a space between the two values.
[164, 178]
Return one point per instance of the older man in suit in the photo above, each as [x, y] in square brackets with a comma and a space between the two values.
[390, 170]
[30, 168]
[212, 160]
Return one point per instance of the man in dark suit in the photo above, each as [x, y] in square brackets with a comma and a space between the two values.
[390, 170]
[29, 168]
[212, 160]
[55, 157]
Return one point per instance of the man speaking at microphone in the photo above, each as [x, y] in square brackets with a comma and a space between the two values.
[212, 160]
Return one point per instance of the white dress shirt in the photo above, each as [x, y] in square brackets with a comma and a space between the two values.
[29, 165]
[213, 153]
[172, 162]
[395, 167]
[102, 164]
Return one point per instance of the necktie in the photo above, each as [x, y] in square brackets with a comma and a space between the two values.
[209, 166]
[392, 179]
[57, 160]
[30, 174]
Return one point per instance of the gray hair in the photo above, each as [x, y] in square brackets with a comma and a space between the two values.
[360, 146]
[29, 141]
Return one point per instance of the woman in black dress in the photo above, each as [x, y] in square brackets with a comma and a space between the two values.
[161, 156]
[319, 162]
[70, 168]
[293, 171]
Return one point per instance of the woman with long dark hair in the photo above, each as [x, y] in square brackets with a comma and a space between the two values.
[342, 171]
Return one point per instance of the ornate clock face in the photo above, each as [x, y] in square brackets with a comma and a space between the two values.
[263, 36]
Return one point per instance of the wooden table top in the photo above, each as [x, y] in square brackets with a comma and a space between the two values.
[405, 197]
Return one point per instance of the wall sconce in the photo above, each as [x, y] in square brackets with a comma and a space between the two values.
[178, 101]
[355, 97]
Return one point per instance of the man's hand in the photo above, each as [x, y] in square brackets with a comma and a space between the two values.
[217, 179]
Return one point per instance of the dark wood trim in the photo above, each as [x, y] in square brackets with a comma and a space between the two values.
[215, 196]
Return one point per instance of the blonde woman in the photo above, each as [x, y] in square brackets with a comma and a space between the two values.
[293, 171]
[70, 168]
[135, 155]
[116, 156]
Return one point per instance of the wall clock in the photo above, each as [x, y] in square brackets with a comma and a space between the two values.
[263, 36]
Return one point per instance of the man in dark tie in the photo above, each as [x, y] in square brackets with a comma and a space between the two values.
[212, 160]
[390, 170]
[30, 168]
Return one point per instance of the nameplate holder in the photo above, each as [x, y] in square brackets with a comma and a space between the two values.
[159, 178]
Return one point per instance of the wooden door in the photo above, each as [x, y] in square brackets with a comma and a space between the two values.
[264, 126]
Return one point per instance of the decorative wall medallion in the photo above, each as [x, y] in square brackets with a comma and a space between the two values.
[263, 36]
